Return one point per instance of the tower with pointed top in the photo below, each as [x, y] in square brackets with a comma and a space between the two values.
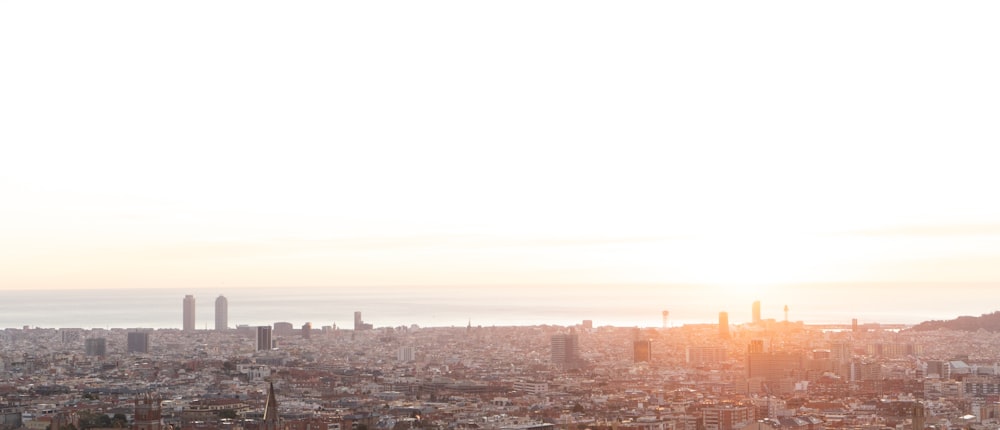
[147, 413]
[271, 419]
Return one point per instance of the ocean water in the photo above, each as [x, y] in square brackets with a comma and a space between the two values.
[628, 306]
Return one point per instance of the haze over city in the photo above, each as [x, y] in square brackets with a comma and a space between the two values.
[510, 215]
[584, 146]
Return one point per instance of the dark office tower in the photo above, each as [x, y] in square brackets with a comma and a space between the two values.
[588, 324]
[264, 338]
[147, 413]
[96, 347]
[307, 329]
[756, 345]
[221, 313]
[566, 350]
[755, 312]
[188, 313]
[854, 325]
[272, 421]
[724, 324]
[138, 342]
[642, 350]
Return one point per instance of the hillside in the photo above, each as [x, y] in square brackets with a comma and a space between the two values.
[988, 322]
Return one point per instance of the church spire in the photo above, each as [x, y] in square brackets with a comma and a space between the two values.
[271, 419]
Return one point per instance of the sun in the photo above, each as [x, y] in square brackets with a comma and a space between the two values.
[739, 263]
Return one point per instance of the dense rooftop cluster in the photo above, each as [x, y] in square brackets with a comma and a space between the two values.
[762, 376]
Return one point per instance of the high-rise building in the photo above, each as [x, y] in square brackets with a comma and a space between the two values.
[405, 353]
[566, 350]
[360, 324]
[138, 342]
[724, 324]
[755, 312]
[698, 355]
[307, 329]
[283, 328]
[666, 319]
[263, 338]
[96, 347]
[221, 313]
[642, 350]
[188, 313]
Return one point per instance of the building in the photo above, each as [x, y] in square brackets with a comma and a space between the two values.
[307, 329]
[698, 355]
[138, 343]
[359, 324]
[147, 413]
[642, 351]
[724, 324]
[96, 347]
[727, 417]
[777, 370]
[755, 312]
[264, 338]
[283, 328]
[188, 313]
[221, 313]
[566, 350]
[405, 354]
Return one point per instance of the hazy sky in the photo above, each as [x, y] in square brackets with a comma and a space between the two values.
[229, 143]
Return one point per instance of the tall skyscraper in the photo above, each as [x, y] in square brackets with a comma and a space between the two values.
[221, 313]
[755, 312]
[566, 350]
[188, 313]
[642, 350]
[138, 342]
[724, 324]
[360, 324]
[264, 338]
[666, 319]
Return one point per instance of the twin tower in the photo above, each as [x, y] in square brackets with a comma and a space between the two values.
[221, 313]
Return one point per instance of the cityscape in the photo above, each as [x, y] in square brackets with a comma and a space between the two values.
[773, 374]
[499, 215]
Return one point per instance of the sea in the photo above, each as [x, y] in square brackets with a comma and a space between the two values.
[604, 305]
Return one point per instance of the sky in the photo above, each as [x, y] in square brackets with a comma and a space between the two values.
[456, 143]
